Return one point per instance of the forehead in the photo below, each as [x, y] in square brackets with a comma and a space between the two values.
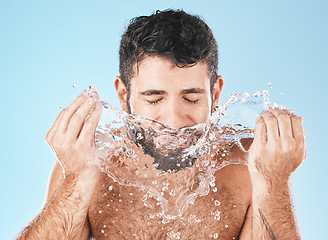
[156, 72]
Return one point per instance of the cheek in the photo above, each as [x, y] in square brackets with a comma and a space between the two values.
[204, 115]
[200, 113]
[142, 108]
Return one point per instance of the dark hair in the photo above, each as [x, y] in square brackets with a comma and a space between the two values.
[173, 34]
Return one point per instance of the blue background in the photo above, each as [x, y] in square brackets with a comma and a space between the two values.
[47, 46]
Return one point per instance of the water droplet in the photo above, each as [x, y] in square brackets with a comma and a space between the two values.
[154, 182]
[74, 85]
[156, 165]
[144, 198]
[212, 183]
[215, 235]
[102, 231]
[217, 203]
[139, 136]
[110, 188]
[215, 189]
[100, 211]
[217, 217]
[276, 105]
[226, 226]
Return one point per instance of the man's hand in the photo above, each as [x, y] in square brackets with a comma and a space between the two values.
[277, 150]
[278, 147]
[72, 140]
[72, 135]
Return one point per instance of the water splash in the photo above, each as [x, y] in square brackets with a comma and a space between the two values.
[140, 152]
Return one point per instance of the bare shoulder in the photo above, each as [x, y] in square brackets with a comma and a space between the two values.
[236, 176]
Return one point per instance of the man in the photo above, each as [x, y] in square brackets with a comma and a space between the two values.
[168, 68]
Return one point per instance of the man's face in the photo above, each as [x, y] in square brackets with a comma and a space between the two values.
[177, 97]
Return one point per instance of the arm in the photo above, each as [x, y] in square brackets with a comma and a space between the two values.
[64, 215]
[273, 217]
[278, 149]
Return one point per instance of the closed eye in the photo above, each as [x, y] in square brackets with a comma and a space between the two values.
[191, 101]
[155, 101]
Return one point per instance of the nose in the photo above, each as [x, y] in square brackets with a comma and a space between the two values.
[175, 116]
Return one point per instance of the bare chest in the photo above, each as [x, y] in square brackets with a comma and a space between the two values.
[125, 212]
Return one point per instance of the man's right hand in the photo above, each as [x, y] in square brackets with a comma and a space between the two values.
[72, 140]
[71, 137]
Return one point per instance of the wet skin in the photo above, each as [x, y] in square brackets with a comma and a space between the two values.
[178, 97]
[118, 212]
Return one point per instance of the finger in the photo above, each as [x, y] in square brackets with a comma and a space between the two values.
[54, 127]
[271, 126]
[69, 111]
[284, 123]
[260, 134]
[90, 125]
[79, 117]
[298, 131]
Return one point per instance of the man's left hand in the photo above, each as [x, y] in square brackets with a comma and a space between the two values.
[278, 147]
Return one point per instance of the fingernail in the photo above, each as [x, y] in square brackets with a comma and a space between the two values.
[93, 94]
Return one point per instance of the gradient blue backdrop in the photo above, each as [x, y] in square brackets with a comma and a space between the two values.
[47, 46]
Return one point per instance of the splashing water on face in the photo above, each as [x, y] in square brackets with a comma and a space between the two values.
[175, 166]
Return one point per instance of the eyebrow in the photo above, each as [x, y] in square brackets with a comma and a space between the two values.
[193, 90]
[153, 92]
[161, 92]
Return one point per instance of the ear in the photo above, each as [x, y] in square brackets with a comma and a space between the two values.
[217, 90]
[121, 92]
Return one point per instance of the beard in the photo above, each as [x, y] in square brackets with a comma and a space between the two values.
[167, 147]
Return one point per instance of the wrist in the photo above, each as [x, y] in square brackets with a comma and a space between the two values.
[83, 181]
[266, 186]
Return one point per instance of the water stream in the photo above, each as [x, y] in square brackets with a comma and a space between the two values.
[175, 166]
